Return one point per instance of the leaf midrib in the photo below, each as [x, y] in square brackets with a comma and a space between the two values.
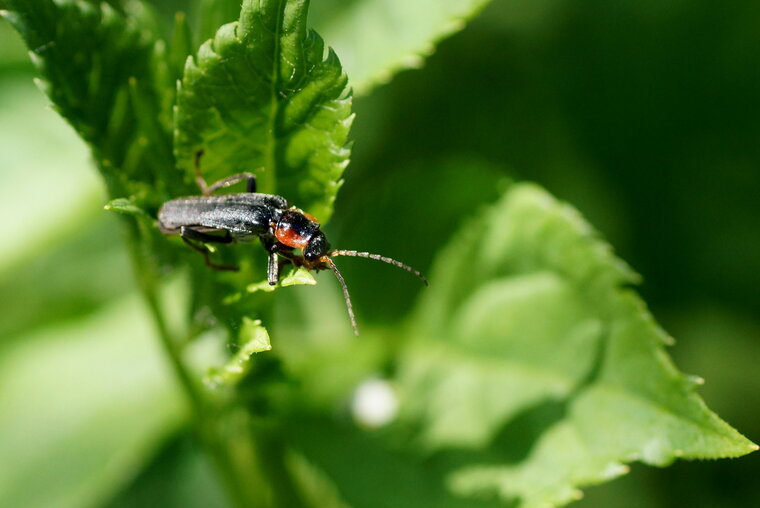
[270, 170]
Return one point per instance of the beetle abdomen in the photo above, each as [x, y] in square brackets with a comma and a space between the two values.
[243, 215]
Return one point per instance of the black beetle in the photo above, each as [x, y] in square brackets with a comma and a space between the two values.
[282, 228]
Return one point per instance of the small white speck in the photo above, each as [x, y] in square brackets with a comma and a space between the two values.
[374, 404]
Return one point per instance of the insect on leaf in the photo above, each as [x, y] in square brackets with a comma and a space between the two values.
[533, 346]
[263, 95]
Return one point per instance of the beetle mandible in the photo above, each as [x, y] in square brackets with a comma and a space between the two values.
[281, 228]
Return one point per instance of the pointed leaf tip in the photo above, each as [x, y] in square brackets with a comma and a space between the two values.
[530, 319]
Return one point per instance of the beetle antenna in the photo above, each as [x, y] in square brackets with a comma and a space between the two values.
[346, 296]
[378, 257]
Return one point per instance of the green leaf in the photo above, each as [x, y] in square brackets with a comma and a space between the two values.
[181, 46]
[261, 96]
[99, 70]
[61, 259]
[382, 477]
[125, 206]
[13, 54]
[254, 339]
[314, 485]
[378, 38]
[193, 482]
[82, 408]
[531, 344]
[44, 172]
[296, 277]
[73, 275]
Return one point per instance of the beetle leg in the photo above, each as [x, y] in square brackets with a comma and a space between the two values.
[232, 180]
[198, 175]
[275, 249]
[190, 236]
[250, 185]
[273, 269]
[207, 189]
[273, 272]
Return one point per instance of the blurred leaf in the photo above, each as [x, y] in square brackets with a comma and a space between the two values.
[13, 54]
[180, 475]
[182, 44]
[46, 184]
[211, 14]
[261, 95]
[530, 342]
[72, 276]
[82, 407]
[62, 261]
[376, 39]
[365, 472]
[318, 348]
[314, 485]
[100, 73]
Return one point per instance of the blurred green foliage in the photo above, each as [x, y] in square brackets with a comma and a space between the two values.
[643, 115]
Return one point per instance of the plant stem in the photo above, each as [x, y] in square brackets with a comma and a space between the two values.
[172, 350]
[239, 474]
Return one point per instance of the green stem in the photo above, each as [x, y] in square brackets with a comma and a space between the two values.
[238, 473]
[284, 490]
[172, 350]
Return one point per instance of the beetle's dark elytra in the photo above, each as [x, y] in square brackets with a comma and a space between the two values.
[246, 216]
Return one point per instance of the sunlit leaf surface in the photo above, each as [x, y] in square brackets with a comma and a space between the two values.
[82, 408]
[378, 38]
[264, 95]
[531, 343]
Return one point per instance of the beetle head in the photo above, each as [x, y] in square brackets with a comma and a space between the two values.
[317, 247]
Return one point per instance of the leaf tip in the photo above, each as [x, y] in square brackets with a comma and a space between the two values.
[300, 276]
[35, 58]
[695, 381]
[42, 85]
[614, 470]
[576, 495]
[260, 286]
[125, 206]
